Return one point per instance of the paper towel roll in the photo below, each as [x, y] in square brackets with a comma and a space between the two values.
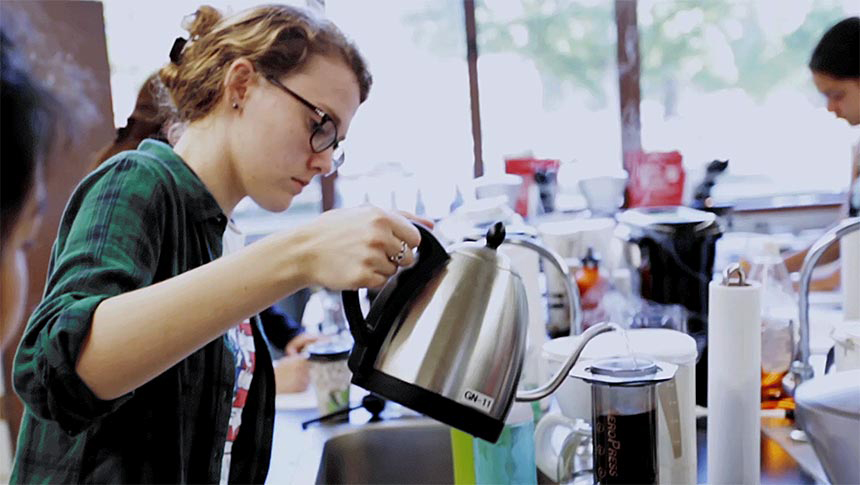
[734, 380]
[849, 255]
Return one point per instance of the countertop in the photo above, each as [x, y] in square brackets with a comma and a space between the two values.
[293, 449]
[783, 460]
[295, 453]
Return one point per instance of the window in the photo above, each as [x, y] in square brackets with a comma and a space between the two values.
[547, 80]
[139, 37]
[727, 79]
[414, 132]
[720, 79]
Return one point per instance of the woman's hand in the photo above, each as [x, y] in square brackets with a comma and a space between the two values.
[355, 248]
[299, 342]
[292, 374]
[420, 220]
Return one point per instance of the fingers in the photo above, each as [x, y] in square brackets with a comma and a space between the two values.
[292, 374]
[383, 265]
[299, 342]
[399, 252]
[375, 280]
[404, 230]
[360, 247]
[408, 258]
[420, 220]
[395, 235]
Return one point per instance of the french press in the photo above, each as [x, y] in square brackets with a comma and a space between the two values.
[624, 416]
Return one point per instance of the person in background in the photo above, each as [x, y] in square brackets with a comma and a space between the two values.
[148, 120]
[141, 363]
[835, 66]
[154, 118]
[28, 124]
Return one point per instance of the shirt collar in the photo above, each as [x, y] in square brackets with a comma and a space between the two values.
[202, 203]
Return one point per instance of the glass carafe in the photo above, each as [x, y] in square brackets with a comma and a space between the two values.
[624, 417]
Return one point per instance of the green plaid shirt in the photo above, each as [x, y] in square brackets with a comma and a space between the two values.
[141, 218]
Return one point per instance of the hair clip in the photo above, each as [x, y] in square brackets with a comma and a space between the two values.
[176, 50]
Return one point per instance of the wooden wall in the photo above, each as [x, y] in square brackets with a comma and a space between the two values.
[65, 43]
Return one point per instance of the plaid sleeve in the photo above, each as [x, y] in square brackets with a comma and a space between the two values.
[108, 243]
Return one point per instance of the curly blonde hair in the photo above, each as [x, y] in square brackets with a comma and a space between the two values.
[277, 39]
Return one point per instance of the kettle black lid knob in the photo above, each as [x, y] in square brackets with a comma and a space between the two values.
[496, 235]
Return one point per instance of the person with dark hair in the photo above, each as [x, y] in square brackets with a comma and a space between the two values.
[143, 362]
[28, 125]
[835, 66]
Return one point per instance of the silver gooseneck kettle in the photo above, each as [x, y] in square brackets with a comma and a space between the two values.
[447, 336]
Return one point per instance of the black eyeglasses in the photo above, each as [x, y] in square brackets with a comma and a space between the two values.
[324, 133]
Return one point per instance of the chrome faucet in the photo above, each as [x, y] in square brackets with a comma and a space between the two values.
[801, 368]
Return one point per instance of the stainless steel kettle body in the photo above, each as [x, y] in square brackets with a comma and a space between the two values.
[447, 336]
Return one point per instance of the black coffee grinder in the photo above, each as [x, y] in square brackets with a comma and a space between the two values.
[671, 250]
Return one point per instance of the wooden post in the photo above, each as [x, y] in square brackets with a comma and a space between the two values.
[327, 184]
[628, 77]
[72, 32]
[472, 59]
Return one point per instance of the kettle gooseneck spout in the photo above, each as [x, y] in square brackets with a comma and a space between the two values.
[558, 378]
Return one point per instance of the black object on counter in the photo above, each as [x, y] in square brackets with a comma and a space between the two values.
[547, 183]
[702, 198]
[371, 402]
[677, 246]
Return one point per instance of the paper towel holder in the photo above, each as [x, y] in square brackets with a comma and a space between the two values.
[734, 270]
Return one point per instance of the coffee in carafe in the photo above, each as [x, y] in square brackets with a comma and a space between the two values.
[624, 404]
[623, 450]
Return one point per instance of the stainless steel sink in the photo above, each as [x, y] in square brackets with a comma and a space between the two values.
[399, 451]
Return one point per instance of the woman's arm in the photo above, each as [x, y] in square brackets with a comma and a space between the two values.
[137, 335]
[827, 280]
[795, 261]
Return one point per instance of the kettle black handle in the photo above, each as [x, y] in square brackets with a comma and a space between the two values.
[431, 256]
[352, 310]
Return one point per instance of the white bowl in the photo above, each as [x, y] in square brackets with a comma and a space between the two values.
[604, 194]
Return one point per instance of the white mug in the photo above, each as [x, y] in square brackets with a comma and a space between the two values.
[572, 458]
[574, 395]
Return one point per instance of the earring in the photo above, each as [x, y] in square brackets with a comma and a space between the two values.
[235, 105]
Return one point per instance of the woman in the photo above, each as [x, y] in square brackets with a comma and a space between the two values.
[152, 119]
[835, 66]
[140, 365]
